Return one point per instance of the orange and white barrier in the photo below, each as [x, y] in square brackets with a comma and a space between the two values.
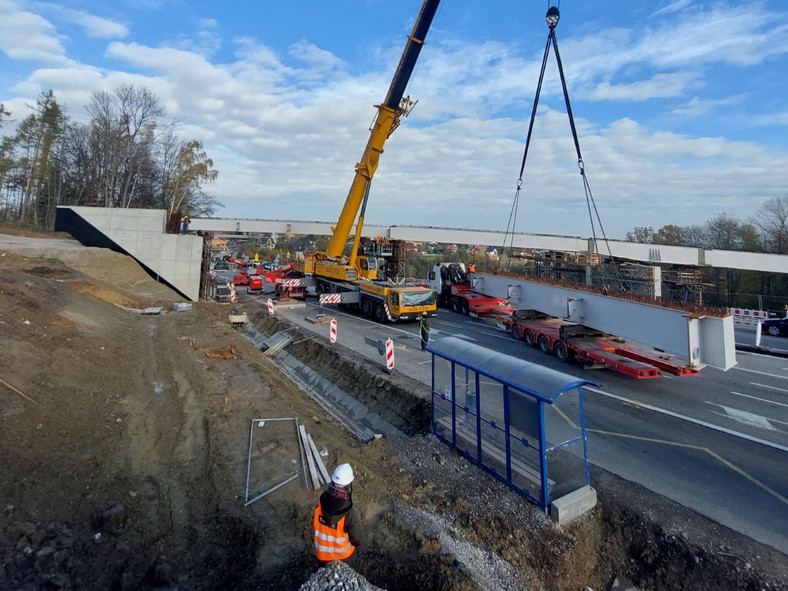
[332, 335]
[389, 354]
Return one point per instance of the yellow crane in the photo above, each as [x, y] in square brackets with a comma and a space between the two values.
[337, 273]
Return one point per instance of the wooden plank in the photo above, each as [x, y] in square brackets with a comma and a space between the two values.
[309, 459]
[318, 460]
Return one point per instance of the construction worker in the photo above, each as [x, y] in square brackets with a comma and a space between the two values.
[185, 224]
[336, 523]
[424, 330]
[471, 268]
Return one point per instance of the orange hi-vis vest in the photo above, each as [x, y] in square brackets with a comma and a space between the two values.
[331, 542]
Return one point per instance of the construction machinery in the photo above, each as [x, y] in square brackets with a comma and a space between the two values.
[353, 278]
[453, 290]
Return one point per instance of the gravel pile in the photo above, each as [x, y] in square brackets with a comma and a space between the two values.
[337, 576]
[485, 568]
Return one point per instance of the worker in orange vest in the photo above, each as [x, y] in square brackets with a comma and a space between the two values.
[336, 523]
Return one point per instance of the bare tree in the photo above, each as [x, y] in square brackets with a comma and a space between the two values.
[125, 125]
[772, 221]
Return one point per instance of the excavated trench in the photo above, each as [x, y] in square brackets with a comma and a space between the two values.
[632, 533]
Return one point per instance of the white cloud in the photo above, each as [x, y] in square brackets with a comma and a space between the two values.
[696, 106]
[658, 86]
[674, 6]
[28, 36]
[285, 129]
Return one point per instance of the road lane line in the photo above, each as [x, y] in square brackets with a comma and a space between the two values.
[498, 336]
[713, 454]
[763, 373]
[752, 479]
[689, 419]
[761, 399]
[769, 387]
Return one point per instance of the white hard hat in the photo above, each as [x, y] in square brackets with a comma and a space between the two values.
[343, 475]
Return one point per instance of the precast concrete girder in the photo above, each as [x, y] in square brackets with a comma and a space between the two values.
[698, 339]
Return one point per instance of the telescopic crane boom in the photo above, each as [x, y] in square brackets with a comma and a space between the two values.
[331, 263]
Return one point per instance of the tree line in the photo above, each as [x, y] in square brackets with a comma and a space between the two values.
[765, 232]
[127, 155]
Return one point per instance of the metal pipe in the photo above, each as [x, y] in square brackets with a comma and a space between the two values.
[249, 460]
[272, 489]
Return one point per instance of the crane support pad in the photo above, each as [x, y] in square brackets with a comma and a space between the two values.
[663, 363]
[624, 365]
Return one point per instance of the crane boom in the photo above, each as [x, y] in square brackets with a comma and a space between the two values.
[386, 121]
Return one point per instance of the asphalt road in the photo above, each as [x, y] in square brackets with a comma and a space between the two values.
[717, 442]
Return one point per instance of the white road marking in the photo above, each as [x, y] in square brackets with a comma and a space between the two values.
[688, 419]
[497, 336]
[451, 324]
[769, 387]
[756, 398]
[763, 373]
[464, 336]
[747, 418]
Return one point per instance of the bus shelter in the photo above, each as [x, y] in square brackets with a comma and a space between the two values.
[520, 421]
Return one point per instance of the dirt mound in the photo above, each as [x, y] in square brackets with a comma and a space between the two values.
[124, 454]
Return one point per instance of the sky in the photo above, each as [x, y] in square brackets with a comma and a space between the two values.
[681, 106]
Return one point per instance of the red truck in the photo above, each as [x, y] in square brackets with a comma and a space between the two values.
[591, 348]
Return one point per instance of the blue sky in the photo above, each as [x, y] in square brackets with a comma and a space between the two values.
[681, 105]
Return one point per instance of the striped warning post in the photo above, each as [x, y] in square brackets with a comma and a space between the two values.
[332, 335]
[233, 297]
[389, 354]
[330, 298]
[270, 304]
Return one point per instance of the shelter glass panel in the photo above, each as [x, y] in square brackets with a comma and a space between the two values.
[562, 419]
[524, 416]
[491, 395]
[465, 388]
[526, 471]
[441, 415]
[465, 397]
[566, 462]
[442, 370]
[494, 448]
[566, 469]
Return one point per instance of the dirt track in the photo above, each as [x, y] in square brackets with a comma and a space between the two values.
[118, 424]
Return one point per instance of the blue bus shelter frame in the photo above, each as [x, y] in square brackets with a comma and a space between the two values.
[475, 358]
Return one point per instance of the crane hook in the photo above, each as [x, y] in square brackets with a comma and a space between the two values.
[553, 15]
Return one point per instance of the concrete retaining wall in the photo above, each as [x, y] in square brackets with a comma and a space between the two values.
[174, 259]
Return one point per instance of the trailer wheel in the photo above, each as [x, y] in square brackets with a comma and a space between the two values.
[560, 352]
[366, 308]
[544, 346]
[455, 305]
[517, 332]
[464, 308]
[380, 315]
[528, 337]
